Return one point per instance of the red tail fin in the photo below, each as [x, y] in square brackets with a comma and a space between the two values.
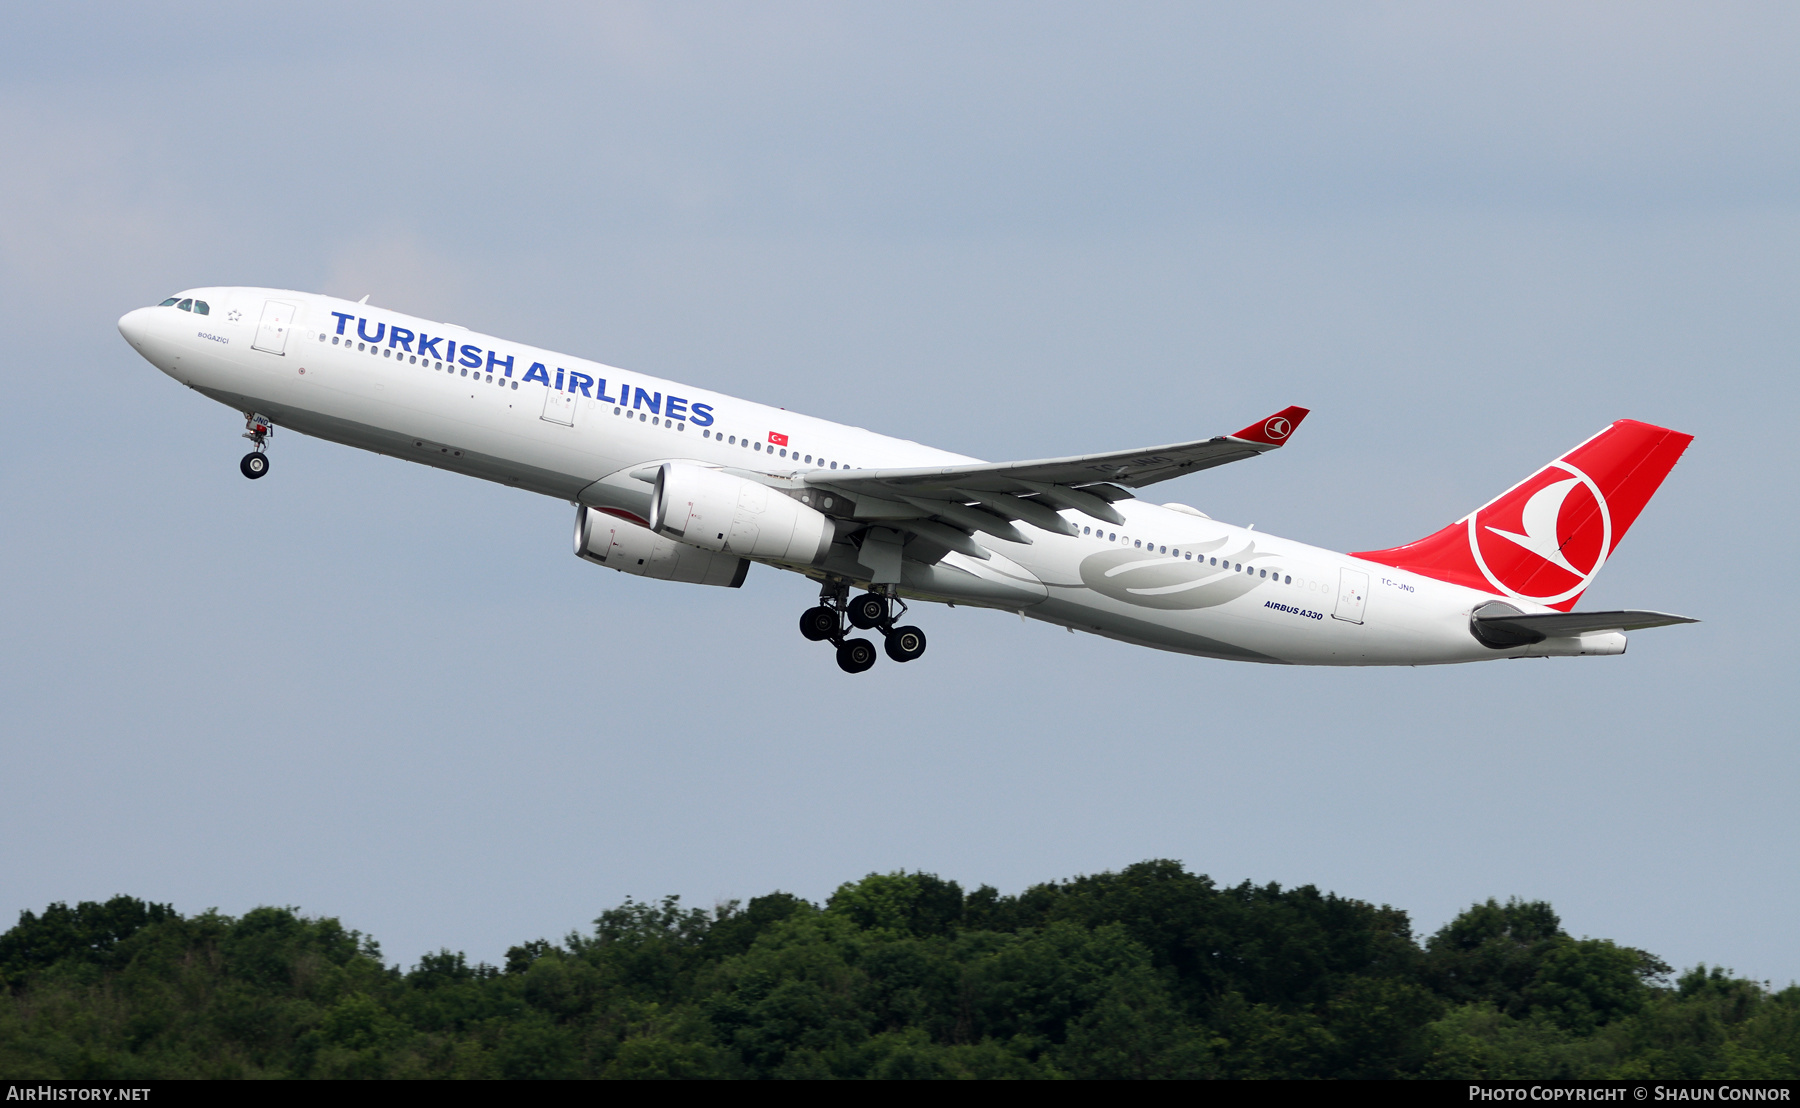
[1545, 539]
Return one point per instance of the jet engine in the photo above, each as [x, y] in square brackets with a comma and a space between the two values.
[711, 509]
[620, 544]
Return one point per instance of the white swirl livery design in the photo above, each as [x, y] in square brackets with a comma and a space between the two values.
[1170, 583]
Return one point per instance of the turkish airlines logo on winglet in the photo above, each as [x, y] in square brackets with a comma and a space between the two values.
[1546, 540]
[1276, 429]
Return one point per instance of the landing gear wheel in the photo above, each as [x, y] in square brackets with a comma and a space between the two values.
[869, 611]
[905, 643]
[254, 465]
[855, 655]
[820, 623]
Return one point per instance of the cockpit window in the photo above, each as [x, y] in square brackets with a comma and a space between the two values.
[200, 308]
[169, 302]
[186, 305]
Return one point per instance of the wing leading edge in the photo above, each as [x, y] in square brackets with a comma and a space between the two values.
[948, 504]
[1131, 468]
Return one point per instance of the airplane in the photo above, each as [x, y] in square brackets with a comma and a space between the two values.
[680, 483]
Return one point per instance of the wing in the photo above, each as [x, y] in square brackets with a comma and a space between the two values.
[946, 504]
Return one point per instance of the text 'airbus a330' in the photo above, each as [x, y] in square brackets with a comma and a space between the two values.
[680, 483]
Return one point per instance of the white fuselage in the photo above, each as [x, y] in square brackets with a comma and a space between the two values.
[576, 430]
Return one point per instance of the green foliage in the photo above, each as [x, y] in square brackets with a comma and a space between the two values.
[88, 932]
[905, 903]
[1148, 972]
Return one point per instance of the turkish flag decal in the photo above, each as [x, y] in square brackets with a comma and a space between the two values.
[777, 439]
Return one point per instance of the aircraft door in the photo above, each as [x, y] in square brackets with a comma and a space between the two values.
[559, 407]
[1353, 595]
[272, 332]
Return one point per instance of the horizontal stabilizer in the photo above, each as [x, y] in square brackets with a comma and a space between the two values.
[1513, 629]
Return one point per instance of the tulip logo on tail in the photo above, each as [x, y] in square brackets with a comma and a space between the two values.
[1549, 547]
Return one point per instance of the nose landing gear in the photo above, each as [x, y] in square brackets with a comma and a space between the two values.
[257, 430]
[869, 612]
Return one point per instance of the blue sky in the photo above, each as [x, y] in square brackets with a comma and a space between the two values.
[1466, 237]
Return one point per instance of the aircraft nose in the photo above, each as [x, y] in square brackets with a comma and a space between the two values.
[135, 324]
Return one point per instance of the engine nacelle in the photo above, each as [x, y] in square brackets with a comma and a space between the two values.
[711, 509]
[628, 547]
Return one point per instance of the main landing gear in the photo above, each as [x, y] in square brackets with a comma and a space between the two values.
[257, 430]
[872, 611]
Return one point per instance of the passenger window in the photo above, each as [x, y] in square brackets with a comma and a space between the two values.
[1190, 557]
[809, 459]
[1114, 537]
[200, 308]
[833, 465]
[1263, 573]
[169, 303]
[732, 441]
[334, 340]
[1162, 550]
[759, 447]
[1289, 581]
[1087, 530]
[186, 305]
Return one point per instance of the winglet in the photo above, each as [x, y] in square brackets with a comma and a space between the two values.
[1275, 430]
